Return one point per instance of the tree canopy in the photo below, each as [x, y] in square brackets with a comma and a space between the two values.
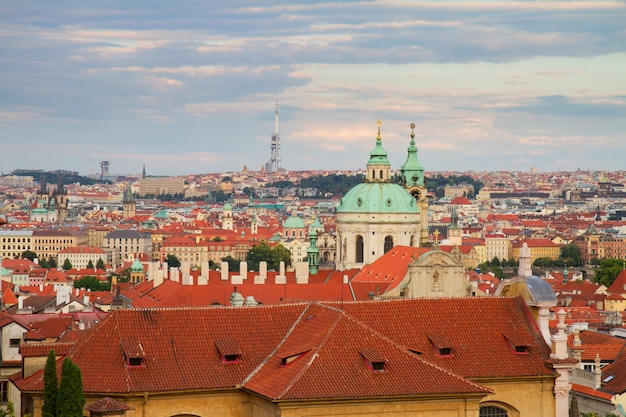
[609, 270]
[67, 265]
[50, 387]
[92, 283]
[71, 391]
[29, 254]
[272, 255]
[571, 255]
[172, 261]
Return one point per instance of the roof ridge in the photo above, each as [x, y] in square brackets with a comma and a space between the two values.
[340, 314]
[278, 345]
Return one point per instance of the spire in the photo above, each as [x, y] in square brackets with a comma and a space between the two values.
[313, 253]
[42, 184]
[412, 172]
[143, 173]
[378, 167]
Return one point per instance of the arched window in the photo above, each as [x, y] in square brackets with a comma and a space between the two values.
[388, 243]
[492, 411]
[381, 174]
[359, 249]
[373, 174]
[412, 241]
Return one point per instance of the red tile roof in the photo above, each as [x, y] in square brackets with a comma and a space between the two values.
[178, 350]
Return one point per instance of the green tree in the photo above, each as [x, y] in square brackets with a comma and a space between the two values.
[29, 254]
[172, 261]
[273, 256]
[260, 252]
[52, 262]
[90, 264]
[71, 391]
[10, 411]
[543, 262]
[50, 386]
[497, 272]
[92, 283]
[43, 262]
[495, 261]
[572, 255]
[609, 270]
[280, 253]
[100, 264]
[67, 265]
[233, 264]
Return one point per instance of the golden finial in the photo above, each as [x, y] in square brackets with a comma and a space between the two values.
[378, 123]
[412, 127]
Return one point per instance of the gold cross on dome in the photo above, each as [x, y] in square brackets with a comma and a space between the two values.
[436, 233]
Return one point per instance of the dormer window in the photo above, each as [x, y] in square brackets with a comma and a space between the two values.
[134, 354]
[517, 343]
[287, 360]
[373, 359]
[134, 362]
[229, 351]
[442, 346]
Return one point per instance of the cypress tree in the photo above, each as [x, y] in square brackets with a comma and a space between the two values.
[50, 386]
[70, 400]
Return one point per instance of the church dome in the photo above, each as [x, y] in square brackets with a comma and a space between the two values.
[136, 266]
[294, 222]
[377, 197]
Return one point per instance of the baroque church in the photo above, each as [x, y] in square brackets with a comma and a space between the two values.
[50, 207]
[382, 212]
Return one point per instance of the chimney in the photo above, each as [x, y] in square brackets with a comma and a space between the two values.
[302, 272]
[224, 271]
[243, 269]
[174, 274]
[185, 268]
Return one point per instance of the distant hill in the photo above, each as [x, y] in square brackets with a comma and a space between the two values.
[69, 177]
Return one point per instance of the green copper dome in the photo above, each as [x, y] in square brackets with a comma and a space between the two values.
[294, 222]
[136, 266]
[377, 198]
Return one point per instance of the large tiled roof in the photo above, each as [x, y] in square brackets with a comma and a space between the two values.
[331, 353]
[311, 350]
[474, 327]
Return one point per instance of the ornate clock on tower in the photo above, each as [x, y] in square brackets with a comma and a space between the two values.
[416, 193]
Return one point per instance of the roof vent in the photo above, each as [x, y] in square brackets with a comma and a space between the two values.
[291, 358]
[442, 346]
[373, 359]
[229, 351]
[517, 343]
[134, 354]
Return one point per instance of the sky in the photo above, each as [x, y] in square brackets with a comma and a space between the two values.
[190, 86]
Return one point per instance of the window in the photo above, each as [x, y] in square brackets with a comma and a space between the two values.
[359, 249]
[4, 391]
[134, 362]
[373, 359]
[229, 351]
[388, 243]
[15, 342]
[492, 411]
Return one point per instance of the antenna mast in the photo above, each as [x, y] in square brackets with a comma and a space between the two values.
[275, 158]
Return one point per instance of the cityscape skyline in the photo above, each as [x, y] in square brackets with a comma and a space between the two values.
[191, 88]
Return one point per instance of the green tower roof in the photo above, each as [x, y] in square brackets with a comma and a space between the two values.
[378, 156]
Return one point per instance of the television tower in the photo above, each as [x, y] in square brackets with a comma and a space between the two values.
[104, 169]
[274, 163]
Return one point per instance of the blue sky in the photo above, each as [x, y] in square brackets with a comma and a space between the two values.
[190, 86]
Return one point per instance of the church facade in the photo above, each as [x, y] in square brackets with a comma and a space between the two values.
[379, 213]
